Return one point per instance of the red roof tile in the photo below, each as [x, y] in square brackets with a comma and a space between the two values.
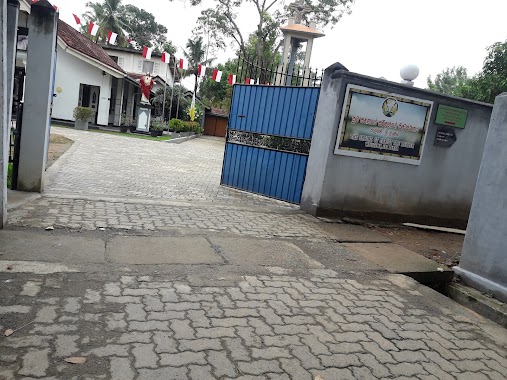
[219, 112]
[78, 42]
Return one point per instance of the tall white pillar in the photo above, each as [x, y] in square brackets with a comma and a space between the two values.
[118, 102]
[4, 122]
[38, 96]
[483, 261]
[8, 32]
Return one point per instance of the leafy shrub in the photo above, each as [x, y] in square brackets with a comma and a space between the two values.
[127, 120]
[176, 125]
[9, 176]
[83, 113]
[192, 126]
[157, 126]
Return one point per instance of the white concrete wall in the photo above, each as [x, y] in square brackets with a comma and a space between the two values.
[130, 63]
[70, 73]
[439, 190]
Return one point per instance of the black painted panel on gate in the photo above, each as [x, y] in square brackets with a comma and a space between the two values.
[445, 137]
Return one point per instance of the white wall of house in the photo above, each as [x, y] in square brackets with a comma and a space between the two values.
[133, 63]
[70, 73]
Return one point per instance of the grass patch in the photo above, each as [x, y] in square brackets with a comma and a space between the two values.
[128, 134]
[9, 175]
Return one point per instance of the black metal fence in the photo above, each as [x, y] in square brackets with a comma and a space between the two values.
[15, 143]
[253, 71]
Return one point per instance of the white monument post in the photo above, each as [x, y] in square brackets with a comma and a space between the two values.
[483, 262]
[144, 110]
[294, 34]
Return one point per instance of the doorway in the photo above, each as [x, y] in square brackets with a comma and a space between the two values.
[89, 97]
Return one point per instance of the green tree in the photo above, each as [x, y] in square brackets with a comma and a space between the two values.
[450, 81]
[196, 55]
[144, 30]
[127, 20]
[176, 112]
[107, 14]
[220, 21]
[218, 94]
[490, 82]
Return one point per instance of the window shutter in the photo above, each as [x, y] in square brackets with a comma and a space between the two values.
[120, 61]
[156, 68]
[140, 66]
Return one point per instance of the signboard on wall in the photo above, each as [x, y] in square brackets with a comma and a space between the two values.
[382, 126]
[451, 116]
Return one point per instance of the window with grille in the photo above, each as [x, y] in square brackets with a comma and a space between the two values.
[148, 67]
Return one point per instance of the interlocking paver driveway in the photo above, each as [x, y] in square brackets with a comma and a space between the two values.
[116, 166]
[264, 327]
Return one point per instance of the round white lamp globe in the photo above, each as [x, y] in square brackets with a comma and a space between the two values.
[409, 72]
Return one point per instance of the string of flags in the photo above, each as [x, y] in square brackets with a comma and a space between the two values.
[147, 52]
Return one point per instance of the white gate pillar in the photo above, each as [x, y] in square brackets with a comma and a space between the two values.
[8, 36]
[41, 63]
[483, 261]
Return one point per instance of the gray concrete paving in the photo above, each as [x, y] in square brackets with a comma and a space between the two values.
[210, 285]
[262, 327]
[105, 165]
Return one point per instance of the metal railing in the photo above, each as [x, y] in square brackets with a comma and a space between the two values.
[253, 71]
[15, 144]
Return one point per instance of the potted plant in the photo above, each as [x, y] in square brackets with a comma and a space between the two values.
[177, 126]
[192, 127]
[82, 115]
[131, 124]
[156, 129]
[125, 123]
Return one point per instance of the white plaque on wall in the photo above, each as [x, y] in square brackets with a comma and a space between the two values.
[383, 126]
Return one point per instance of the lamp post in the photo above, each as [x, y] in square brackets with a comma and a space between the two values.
[408, 74]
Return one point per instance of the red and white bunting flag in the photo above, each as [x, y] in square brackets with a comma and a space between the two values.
[201, 70]
[217, 75]
[93, 29]
[111, 37]
[183, 64]
[78, 20]
[232, 78]
[166, 57]
[147, 52]
[247, 81]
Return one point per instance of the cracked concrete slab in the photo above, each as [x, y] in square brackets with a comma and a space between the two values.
[161, 250]
[49, 246]
[244, 251]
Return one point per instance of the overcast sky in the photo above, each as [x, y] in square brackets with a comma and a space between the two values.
[377, 39]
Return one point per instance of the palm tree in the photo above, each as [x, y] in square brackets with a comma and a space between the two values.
[196, 56]
[108, 14]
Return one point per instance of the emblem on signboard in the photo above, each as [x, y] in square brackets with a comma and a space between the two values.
[390, 107]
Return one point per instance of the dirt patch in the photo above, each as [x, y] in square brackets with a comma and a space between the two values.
[444, 248]
[58, 145]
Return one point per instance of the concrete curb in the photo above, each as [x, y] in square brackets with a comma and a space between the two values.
[488, 307]
[179, 140]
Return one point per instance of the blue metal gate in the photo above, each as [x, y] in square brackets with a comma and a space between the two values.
[268, 140]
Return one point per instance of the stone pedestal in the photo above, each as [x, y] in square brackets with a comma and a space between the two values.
[143, 118]
[483, 262]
